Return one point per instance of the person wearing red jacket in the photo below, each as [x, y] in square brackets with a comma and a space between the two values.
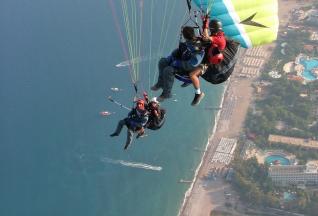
[217, 43]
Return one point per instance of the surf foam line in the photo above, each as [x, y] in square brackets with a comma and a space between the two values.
[132, 164]
[188, 193]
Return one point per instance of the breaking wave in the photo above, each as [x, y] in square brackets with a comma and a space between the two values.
[132, 164]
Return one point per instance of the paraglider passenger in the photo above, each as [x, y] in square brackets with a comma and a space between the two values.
[135, 122]
[156, 114]
[186, 58]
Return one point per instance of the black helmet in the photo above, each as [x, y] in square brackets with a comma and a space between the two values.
[215, 26]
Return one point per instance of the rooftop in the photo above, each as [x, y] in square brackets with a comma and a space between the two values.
[293, 141]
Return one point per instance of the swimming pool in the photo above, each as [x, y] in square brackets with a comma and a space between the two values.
[277, 159]
[289, 197]
[309, 65]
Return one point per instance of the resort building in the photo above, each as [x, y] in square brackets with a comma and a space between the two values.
[312, 15]
[293, 141]
[315, 72]
[294, 175]
[309, 48]
[296, 78]
[289, 67]
[224, 151]
[314, 36]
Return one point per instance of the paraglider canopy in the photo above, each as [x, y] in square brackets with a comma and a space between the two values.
[250, 22]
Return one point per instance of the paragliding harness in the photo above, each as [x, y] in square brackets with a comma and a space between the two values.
[218, 73]
[129, 120]
[215, 73]
[154, 123]
[184, 51]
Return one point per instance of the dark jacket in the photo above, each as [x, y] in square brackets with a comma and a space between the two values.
[219, 73]
[155, 122]
[137, 119]
[188, 55]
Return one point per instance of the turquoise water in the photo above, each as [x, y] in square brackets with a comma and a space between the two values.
[57, 63]
[289, 196]
[283, 161]
[309, 65]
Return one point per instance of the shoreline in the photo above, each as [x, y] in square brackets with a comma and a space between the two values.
[204, 196]
[233, 88]
[210, 137]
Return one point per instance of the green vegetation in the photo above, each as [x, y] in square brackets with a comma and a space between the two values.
[281, 111]
[253, 184]
[306, 202]
[295, 42]
[283, 103]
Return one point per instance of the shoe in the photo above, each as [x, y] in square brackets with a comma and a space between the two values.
[140, 135]
[163, 97]
[197, 98]
[155, 88]
[114, 134]
[185, 84]
[126, 146]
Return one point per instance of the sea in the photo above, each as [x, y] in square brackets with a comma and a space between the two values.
[57, 65]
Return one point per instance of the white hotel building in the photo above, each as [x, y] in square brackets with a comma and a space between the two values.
[294, 174]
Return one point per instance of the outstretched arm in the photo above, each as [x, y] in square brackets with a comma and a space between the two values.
[205, 27]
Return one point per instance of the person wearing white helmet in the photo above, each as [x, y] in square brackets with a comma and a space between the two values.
[156, 114]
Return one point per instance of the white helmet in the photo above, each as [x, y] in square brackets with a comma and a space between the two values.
[154, 99]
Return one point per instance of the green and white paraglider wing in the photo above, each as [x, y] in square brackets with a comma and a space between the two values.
[251, 22]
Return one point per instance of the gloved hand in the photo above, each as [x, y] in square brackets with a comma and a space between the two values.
[205, 21]
[176, 64]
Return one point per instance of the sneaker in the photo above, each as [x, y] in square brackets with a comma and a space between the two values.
[114, 134]
[197, 98]
[126, 146]
[155, 88]
[140, 135]
[185, 84]
[162, 97]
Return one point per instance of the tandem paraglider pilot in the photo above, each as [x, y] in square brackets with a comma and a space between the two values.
[135, 122]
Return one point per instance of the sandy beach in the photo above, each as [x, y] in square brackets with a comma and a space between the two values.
[209, 190]
[205, 197]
